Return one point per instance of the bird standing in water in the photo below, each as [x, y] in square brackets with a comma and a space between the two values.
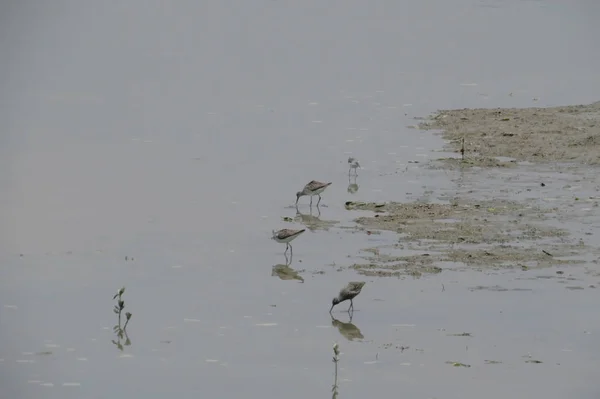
[353, 163]
[349, 292]
[312, 188]
[285, 236]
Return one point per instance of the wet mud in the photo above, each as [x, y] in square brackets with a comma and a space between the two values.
[542, 135]
[477, 234]
[492, 225]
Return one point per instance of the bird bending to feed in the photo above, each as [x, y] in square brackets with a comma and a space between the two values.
[353, 163]
[313, 188]
[348, 293]
[285, 236]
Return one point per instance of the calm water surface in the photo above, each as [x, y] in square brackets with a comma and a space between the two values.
[176, 134]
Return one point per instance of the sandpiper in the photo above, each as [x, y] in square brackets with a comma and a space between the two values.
[313, 188]
[285, 236]
[348, 293]
[353, 163]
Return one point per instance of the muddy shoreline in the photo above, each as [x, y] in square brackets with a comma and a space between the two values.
[539, 135]
[483, 234]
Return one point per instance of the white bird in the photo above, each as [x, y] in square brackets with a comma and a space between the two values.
[353, 163]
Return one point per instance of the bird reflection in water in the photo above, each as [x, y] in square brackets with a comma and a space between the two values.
[352, 185]
[348, 330]
[285, 272]
[312, 220]
[309, 219]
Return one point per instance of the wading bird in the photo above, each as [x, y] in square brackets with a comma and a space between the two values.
[285, 236]
[313, 188]
[348, 293]
[353, 163]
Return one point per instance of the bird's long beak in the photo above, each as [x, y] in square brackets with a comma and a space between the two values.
[331, 309]
[297, 198]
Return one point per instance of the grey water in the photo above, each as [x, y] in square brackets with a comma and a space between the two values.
[155, 145]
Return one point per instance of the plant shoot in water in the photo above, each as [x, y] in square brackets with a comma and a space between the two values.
[121, 331]
[336, 359]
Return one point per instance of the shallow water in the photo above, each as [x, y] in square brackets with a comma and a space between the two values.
[176, 136]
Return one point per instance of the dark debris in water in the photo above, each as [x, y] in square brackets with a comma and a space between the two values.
[497, 288]
[365, 206]
[458, 364]
[390, 345]
[465, 334]
[492, 362]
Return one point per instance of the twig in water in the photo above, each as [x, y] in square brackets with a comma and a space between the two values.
[118, 330]
[336, 359]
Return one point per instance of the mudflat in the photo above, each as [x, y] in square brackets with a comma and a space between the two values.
[525, 195]
[555, 134]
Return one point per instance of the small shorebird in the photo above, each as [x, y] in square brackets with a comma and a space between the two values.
[348, 293]
[353, 163]
[312, 188]
[285, 236]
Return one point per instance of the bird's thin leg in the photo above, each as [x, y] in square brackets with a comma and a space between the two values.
[311, 200]
[351, 306]
[319, 200]
[291, 250]
[286, 248]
